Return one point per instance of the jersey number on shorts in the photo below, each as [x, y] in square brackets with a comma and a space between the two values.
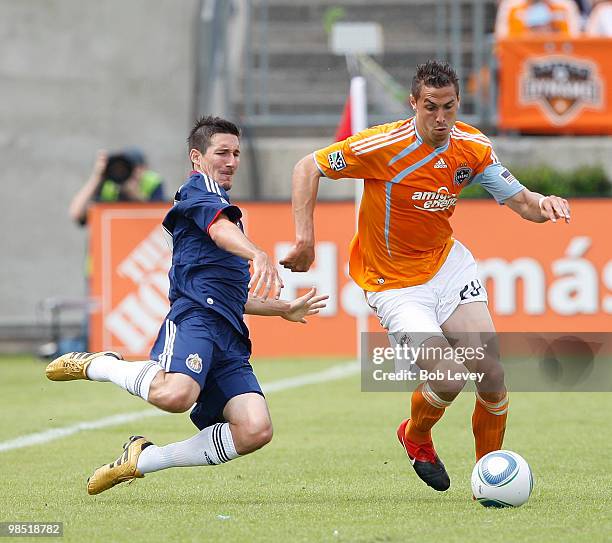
[475, 287]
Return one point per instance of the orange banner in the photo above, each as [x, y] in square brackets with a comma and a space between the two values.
[540, 277]
[555, 85]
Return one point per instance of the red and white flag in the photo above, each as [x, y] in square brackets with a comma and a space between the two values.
[354, 113]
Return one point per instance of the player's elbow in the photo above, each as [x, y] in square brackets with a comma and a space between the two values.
[306, 168]
[301, 164]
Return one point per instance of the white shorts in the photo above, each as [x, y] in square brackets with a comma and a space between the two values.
[424, 308]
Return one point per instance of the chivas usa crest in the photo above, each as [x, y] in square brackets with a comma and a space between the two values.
[561, 86]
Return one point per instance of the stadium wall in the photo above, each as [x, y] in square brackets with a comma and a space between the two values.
[75, 77]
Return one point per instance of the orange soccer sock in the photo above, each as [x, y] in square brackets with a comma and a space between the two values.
[489, 425]
[426, 409]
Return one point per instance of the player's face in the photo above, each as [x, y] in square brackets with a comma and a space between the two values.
[221, 159]
[436, 113]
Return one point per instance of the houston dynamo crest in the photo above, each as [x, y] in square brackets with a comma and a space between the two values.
[462, 174]
[561, 86]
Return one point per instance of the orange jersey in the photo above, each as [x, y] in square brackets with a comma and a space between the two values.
[410, 192]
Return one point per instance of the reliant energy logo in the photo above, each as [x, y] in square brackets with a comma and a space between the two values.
[441, 200]
[561, 86]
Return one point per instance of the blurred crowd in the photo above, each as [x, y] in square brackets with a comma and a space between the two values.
[571, 18]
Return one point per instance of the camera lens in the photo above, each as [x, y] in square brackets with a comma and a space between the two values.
[119, 168]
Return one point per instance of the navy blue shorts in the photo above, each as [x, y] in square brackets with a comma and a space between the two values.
[208, 348]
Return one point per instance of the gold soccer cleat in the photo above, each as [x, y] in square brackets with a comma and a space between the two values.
[121, 470]
[72, 366]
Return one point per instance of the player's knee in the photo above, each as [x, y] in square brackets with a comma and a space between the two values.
[181, 404]
[449, 390]
[174, 405]
[256, 434]
[268, 433]
[175, 399]
[493, 380]
[260, 433]
[263, 435]
[494, 397]
[450, 379]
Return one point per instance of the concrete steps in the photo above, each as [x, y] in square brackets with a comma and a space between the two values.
[291, 62]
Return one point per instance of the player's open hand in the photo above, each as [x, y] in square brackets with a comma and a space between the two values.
[299, 258]
[553, 208]
[306, 305]
[265, 282]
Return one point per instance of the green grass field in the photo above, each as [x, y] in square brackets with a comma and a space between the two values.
[333, 472]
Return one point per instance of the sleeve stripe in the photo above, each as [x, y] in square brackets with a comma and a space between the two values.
[378, 138]
[381, 135]
[211, 185]
[214, 219]
[385, 143]
[476, 137]
[463, 138]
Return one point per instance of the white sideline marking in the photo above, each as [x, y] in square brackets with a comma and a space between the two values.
[331, 374]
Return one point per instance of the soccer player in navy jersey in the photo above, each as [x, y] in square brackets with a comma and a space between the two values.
[201, 355]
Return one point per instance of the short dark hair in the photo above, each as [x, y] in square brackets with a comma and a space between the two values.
[434, 74]
[205, 128]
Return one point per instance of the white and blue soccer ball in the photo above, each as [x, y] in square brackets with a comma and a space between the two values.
[502, 479]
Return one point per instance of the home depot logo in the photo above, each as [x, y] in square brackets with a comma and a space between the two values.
[135, 317]
[561, 86]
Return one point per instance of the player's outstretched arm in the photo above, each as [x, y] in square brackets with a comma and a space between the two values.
[304, 196]
[295, 311]
[265, 281]
[537, 208]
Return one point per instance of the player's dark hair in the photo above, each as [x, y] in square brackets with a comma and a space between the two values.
[434, 74]
[205, 128]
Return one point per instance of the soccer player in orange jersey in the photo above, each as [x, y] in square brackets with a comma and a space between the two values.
[422, 283]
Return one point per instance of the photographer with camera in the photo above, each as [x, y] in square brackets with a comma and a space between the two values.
[119, 177]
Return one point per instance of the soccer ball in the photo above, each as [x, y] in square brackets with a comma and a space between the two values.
[502, 479]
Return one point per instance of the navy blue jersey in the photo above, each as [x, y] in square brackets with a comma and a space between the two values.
[203, 275]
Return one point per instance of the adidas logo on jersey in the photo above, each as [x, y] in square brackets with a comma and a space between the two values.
[440, 164]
